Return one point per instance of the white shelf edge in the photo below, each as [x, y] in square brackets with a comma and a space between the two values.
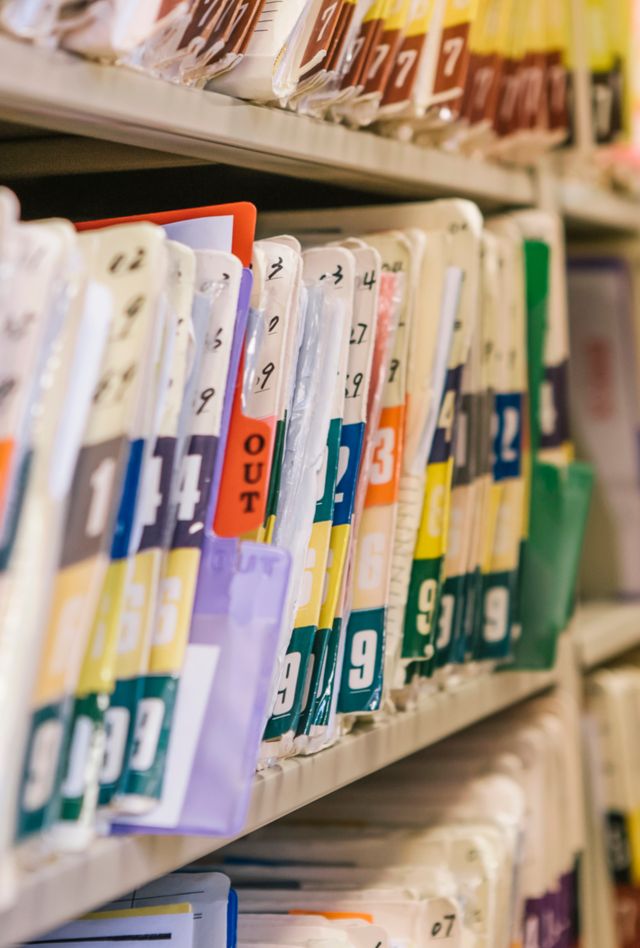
[72, 885]
[588, 207]
[55, 90]
[604, 630]
[59, 92]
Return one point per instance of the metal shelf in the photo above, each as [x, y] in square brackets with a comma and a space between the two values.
[588, 209]
[72, 885]
[54, 90]
[603, 631]
[145, 122]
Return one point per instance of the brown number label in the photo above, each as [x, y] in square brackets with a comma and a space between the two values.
[532, 92]
[345, 18]
[166, 7]
[403, 71]
[482, 88]
[453, 60]
[557, 91]
[204, 17]
[321, 33]
[234, 28]
[360, 53]
[382, 60]
[506, 114]
[265, 8]
[231, 25]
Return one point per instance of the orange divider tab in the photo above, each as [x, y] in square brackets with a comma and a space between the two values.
[384, 476]
[244, 484]
[244, 223]
[334, 916]
[6, 453]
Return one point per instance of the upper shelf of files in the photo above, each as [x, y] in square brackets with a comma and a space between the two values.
[163, 124]
[54, 90]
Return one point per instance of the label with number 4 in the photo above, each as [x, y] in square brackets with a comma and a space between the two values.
[426, 573]
[194, 489]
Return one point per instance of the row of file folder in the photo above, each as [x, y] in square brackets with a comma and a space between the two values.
[474, 844]
[613, 718]
[253, 490]
[488, 76]
[190, 909]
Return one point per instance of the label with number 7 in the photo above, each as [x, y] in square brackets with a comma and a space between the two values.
[424, 587]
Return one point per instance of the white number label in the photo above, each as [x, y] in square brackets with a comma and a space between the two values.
[167, 622]
[326, 16]
[322, 474]
[447, 414]
[379, 58]
[461, 439]
[288, 682]
[189, 490]
[101, 482]
[343, 464]
[116, 728]
[75, 779]
[67, 633]
[548, 412]
[151, 495]
[435, 520]
[307, 682]
[363, 659]
[426, 604]
[445, 621]
[405, 61]
[327, 576]
[452, 48]
[371, 561]
[483, 81]
[511, 417]
[496, 606]
[147, 732]
[382, 462]
[131, 625]
[456, 528]
[43, 765]
[306, 583]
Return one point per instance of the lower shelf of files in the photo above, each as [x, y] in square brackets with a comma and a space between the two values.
[73, 884]
[605, 630]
